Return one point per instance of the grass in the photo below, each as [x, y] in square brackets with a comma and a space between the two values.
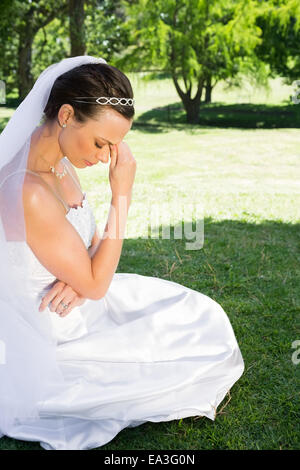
[247, 184]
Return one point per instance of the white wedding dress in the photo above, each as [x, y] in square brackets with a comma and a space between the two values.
[150, 350]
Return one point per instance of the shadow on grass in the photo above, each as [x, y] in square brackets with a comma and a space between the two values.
[241, 116]
[252, 271]
[3, 122]
[11, 102]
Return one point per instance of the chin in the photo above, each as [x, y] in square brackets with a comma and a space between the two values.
[78, 163]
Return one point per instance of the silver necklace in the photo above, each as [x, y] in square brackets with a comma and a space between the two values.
[57, 173]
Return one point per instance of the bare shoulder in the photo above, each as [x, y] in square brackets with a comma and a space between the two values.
[54, 240]
[38, 195]
[33, 189]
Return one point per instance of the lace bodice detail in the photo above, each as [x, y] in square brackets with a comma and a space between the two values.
[83, 220]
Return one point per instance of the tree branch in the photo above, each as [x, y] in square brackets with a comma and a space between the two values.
[48, 17]
[200, 88]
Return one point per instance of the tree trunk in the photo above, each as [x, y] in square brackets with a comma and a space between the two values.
[192, 108]
[33, 21]
[77, 29]
[208, 90]
[191, 105]
[25, 79]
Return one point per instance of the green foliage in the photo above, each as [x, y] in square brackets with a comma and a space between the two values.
[9, 42]
[51, 44]
[280, 23]
[193, 38]
[105, 35]
[20, 22]
[196, 41]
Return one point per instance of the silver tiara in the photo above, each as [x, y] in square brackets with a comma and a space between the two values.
[106, 100]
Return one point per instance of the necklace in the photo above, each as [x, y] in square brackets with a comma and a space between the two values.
[52, 168]
[57, 173]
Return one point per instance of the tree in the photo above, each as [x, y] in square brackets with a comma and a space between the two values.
[26, 18]
[280, 24]
[9, 44]
[35, 34]
[198, 41]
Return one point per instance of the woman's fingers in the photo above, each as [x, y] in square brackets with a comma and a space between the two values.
[51, 294]
[122, 173]
[56, 295]
[66, 296]
[113, 155]
[47, 299]
[61, 292]
[71, 304]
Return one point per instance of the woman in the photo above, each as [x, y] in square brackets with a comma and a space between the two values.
[106, 350]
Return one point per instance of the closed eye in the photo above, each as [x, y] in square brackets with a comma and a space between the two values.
[98, 146]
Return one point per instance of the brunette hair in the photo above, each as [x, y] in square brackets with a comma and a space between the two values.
[92, 80]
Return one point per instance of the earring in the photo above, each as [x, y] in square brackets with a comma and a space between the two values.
[64, 125]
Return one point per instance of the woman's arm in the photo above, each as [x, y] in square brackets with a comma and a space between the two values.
[60, 287]
[58, 245]
[94, 243]
[55, 242]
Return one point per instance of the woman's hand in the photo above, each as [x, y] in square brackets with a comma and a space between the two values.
[61, 292]
[122, 169]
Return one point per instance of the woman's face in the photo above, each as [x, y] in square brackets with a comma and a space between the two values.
[90, 142]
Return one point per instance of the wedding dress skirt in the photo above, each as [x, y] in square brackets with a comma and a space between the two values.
[149, 350]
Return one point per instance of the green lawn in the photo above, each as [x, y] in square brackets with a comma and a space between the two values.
[247, 182]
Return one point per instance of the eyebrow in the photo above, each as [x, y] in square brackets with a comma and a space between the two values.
[106, 140]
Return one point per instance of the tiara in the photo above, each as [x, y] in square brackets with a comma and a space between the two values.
[106, 100]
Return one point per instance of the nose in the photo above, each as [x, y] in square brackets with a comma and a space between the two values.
[104, 157]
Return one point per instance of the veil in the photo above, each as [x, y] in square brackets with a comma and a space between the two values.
[29, 371]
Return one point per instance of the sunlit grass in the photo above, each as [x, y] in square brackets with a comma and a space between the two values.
[162, 92]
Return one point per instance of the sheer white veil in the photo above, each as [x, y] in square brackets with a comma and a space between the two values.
[29, 372]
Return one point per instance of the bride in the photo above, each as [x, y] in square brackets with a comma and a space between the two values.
[86, 351]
